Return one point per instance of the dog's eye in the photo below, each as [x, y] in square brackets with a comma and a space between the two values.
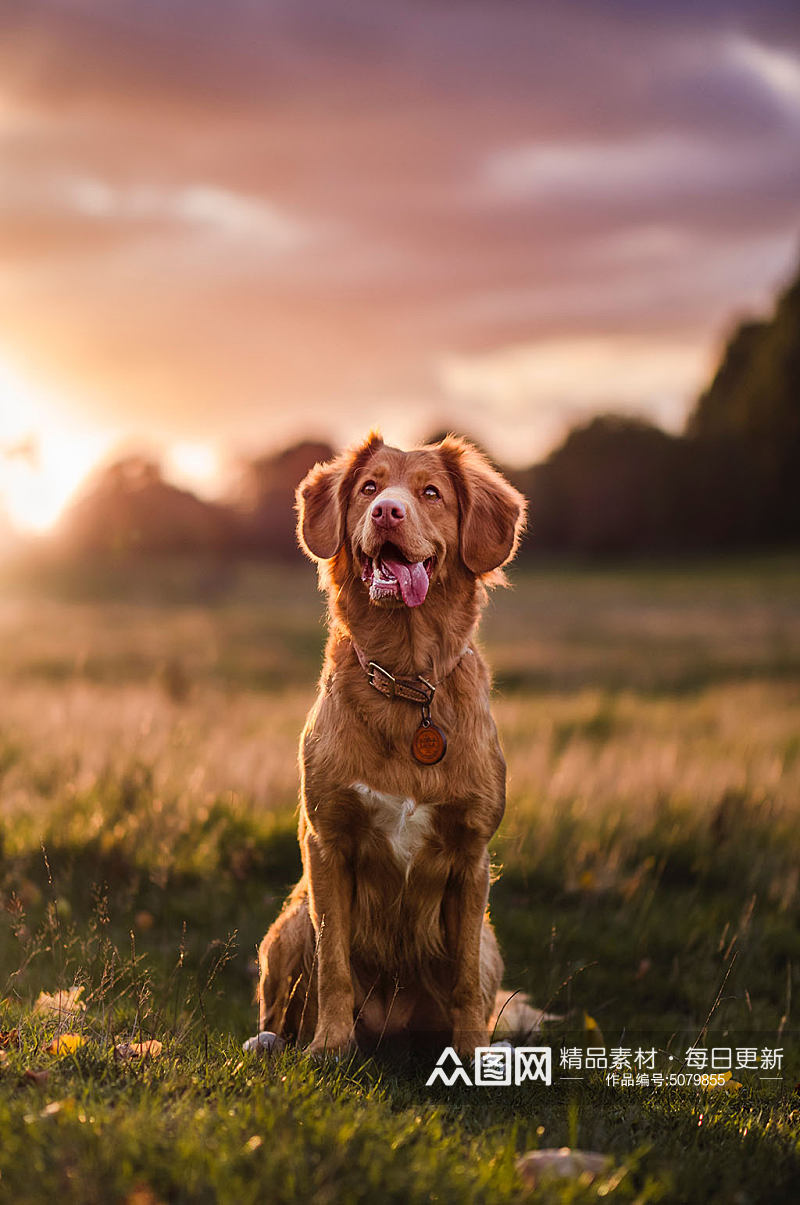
[369, 487]
[431, 491]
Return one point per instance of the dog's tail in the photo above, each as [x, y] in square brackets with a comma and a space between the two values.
[515, 1019]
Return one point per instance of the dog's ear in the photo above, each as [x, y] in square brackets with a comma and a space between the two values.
[492, 511]
[320, 521]
[321, 500]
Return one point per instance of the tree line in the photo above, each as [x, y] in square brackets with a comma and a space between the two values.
[616, 485]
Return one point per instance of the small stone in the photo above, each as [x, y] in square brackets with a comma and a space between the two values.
[266, 1040]
[560, 1163]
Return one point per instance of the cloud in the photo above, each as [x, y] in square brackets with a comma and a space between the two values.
[194, 204]
[235, 222]
[526, 388]
[644, 167]
[715, 119]
[609, 285]
[777, 70]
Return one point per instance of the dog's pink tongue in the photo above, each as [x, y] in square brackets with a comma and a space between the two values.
[412, 579]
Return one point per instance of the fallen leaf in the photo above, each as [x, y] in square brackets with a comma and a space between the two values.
[8, 1037]
[712, 1081]
[65, 1002]
[67, 1043]
[3, 1056]
[561, 1163]
[592, 1028]
[138, 1050]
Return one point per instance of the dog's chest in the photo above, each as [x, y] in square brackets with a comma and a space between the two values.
[404, 823]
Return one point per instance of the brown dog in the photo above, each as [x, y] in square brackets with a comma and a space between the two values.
[403, 780]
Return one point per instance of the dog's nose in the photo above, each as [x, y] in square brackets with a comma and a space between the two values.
[388, 513]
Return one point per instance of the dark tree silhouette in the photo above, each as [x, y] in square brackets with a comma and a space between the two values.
[264, 499]
[752, 409]
[129, 507]
[616, 485]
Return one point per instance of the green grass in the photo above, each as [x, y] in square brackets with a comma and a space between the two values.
[650, 863]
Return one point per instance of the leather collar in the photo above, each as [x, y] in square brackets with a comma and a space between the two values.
[415, 689]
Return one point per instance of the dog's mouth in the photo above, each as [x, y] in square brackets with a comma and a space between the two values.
[390, 574]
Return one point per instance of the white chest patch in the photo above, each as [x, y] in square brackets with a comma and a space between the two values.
[404, 823]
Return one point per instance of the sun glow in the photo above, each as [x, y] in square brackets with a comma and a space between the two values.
[44, 455]
[195, 466]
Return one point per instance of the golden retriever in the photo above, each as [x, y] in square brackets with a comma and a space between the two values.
[386, 936]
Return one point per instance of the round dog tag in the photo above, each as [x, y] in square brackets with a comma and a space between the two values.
[429, 744]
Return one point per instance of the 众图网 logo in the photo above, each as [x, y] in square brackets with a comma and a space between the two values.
[495, 1066]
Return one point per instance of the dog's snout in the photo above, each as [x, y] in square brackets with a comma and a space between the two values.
[388, 512]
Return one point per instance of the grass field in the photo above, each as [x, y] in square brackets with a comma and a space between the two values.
[648, 890]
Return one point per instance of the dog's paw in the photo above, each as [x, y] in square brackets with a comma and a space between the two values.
[469, 1032]
[333, 1044]
[267, 1041]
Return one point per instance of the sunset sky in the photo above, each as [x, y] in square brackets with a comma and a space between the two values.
[225, 226]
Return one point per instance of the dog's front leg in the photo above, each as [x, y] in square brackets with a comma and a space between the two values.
[330, 894]
[465, 905]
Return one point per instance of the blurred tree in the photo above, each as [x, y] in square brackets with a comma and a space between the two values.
[264, 498]
[128, 507]
[622, 485]
[616, 484]
[753, 407]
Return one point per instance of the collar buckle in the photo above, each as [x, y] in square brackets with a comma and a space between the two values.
[386, 683]
[400, 688]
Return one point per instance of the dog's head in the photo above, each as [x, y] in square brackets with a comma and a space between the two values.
[404, 522]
